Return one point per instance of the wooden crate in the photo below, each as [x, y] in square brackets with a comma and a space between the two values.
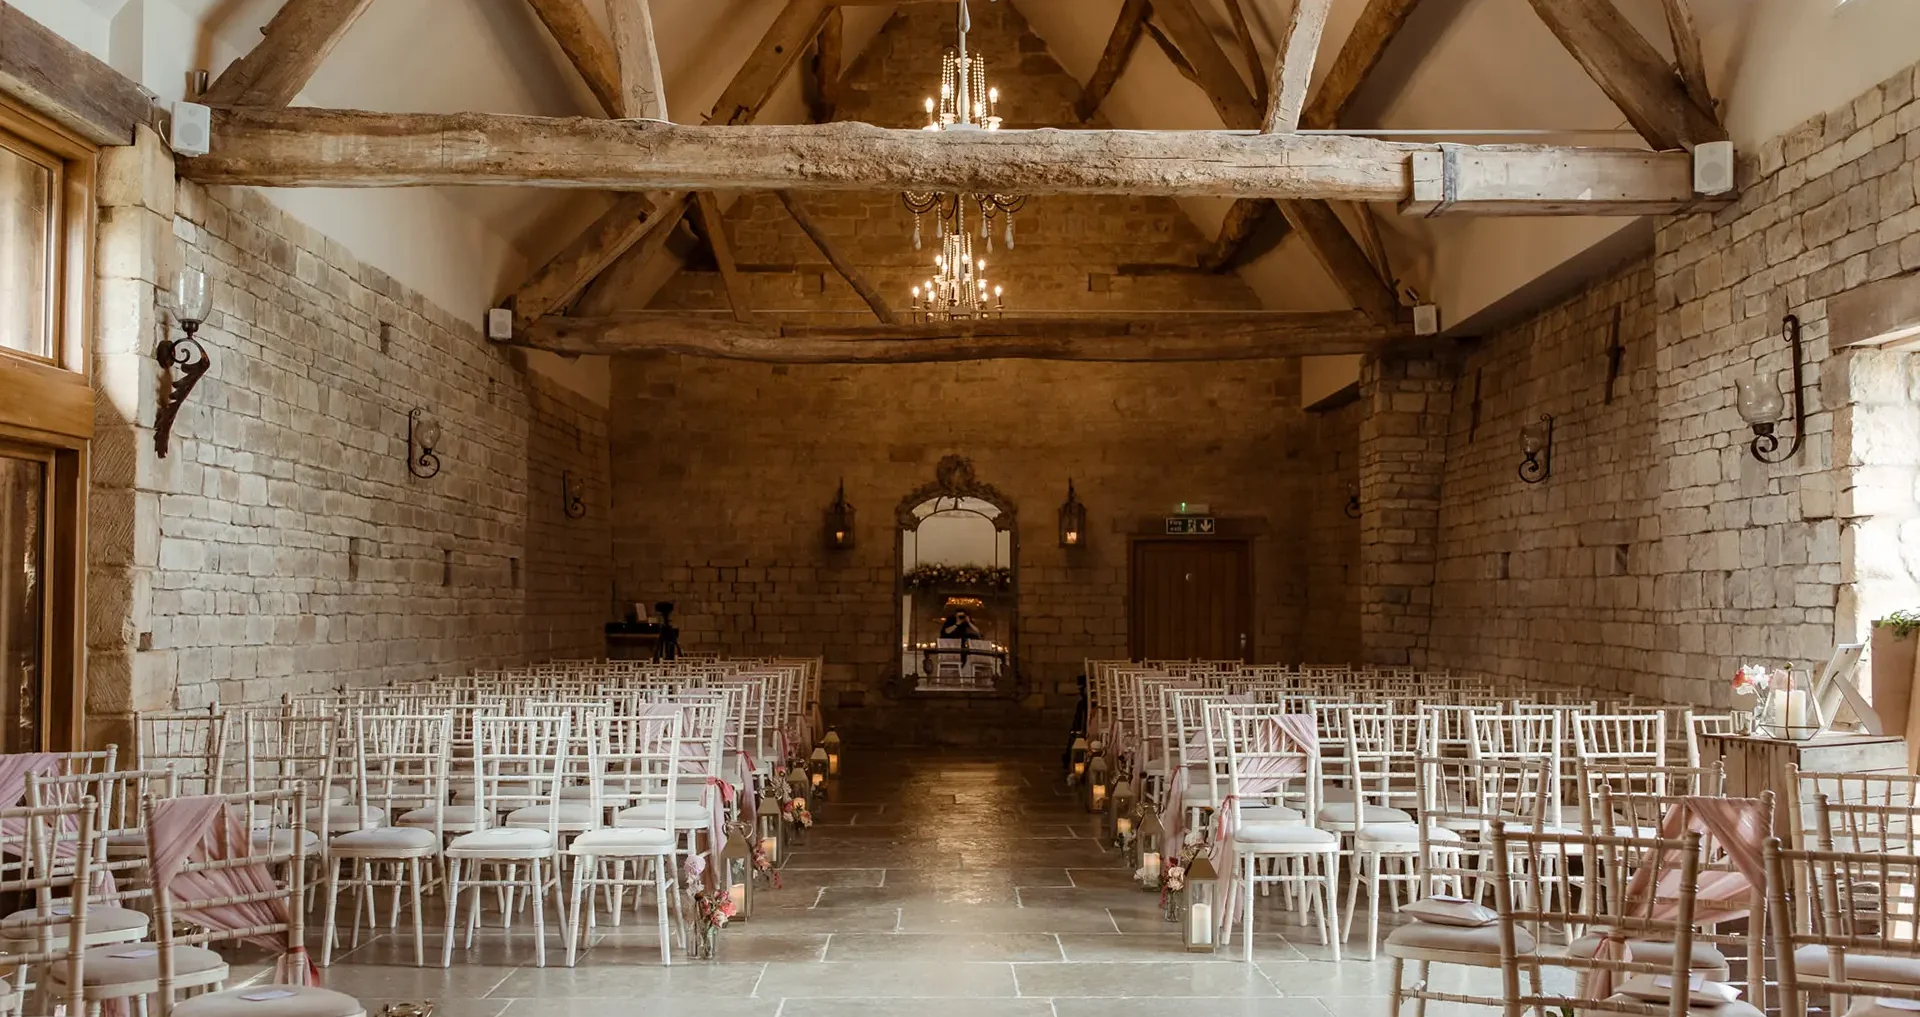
[1755, 764]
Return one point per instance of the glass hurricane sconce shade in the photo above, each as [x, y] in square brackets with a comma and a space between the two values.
[184, 359]
[839, 525]
[423, 438]
[1073, 520]
[1762, 406]
[190, 299]
[1536, 448]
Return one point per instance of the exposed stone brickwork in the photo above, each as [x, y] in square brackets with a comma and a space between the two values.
[724, 469]
[1403, 453]
[1331, 630]
[282, 544]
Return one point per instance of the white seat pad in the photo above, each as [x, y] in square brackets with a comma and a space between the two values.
[1341, 814]
[1411, 939]
[1256, 836]
[1652, 951]
[572, 816]
[405, 840]
[501, 843]
[282, 840]
[347, 817]
[686, 816]
[450, 815]
[633, 839]
[1403, 836]
[103, 968]
[305, 1002]
[1737, 1008]
[1814, 959]
[100, 918]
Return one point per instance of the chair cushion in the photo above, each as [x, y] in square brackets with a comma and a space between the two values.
[1272, 814]
[515, 842]
[1815, 960]
[1451, 911]
[633, 839]
[1659, 989]
[304, 1002]
[571, 815]
[405, 840]
[1341, 814]
[1737, 1008]
[103, 968]
[1258, 836]
[450, 815]
[1483, 942]
[1399, 836]
[686, 816]
[1705, 958]
[101, 918]
[346, 817]
[1875, 1007]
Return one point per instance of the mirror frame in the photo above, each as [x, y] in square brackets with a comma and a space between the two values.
[954, 478]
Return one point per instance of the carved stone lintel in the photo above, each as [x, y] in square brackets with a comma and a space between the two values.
[953, 478]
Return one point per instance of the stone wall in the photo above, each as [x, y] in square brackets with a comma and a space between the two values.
[723, 469]
[1330, 631]
[1402, 459]
[282, 544]
[1662, 554]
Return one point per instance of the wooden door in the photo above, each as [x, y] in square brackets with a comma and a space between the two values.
[1191, 599]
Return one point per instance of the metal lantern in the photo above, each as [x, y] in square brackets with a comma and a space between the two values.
[1097, 785]
[772, 831]
[832, 742]
[817, 766]
[1073, 520]
[839, 528]
[1118, 818]
[1077, 761]
[1146, 850]
[737, 871]
[1200, 920]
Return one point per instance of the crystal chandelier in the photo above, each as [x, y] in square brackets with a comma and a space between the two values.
[966, 103]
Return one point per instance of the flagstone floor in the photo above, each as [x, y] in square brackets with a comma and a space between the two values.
[939, 885]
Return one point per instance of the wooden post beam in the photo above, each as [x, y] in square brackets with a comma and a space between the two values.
[642, 91]
[848, 271]
[1108, 339]
[1121, 43]
[796, 26]
[1632, 73]
[714, 225]
[1250, 52]
[1379, 23]
[1293, 69]
[298, 38]
[555, 284]
[1687, 57]
[588, 48]
[63, 82]
[305, 147]
[823, 93]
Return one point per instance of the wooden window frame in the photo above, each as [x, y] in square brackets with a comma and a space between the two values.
[46, 411]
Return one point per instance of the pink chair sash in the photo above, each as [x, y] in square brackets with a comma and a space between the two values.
[14, 768]
[1739, 826]
[183, 830]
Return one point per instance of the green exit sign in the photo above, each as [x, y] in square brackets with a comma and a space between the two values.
[1190, 526]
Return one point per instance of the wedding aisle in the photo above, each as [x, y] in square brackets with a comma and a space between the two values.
[934, 885]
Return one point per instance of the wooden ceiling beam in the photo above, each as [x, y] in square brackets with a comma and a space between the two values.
[1121, 43]
[1249, 336]
[643, 93]
[848, 271]
[1632, 73]
[1293, 68]
[1379, 24]
[586, 47]
[823, 91]
[714, 225]
[63, 82]
[306, 147]
[1249, 51]
[1691, 65]
[291, 48]
[641, 266]
[785, 40]
[1214, 70]
[566, 275]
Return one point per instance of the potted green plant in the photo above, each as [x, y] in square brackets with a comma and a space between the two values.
[1895, 638]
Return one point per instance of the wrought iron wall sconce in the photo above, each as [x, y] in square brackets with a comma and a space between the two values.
[573, 495]
[839, 528]
[1352, 508]
[1073, 520]
[1536, 446]
[423, 437]
[1761, 404]
[190, 302]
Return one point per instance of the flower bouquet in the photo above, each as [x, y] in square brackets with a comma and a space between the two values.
[1173, 878]
[712, 910]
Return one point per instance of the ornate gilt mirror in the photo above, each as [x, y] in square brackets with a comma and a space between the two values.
[958, 584]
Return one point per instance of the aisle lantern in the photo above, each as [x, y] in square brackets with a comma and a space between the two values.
[832, 742]
[737, 870]
[1146, 850]
[1119, 815]
[1077, 761]
[772, 831]
[1097, 784]
[1200, 910]
[817, 766]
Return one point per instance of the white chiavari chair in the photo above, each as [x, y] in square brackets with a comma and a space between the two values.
[1383, 751]
[1268, 756]
[399, 766]
[188, 742]
[519, 763]
[40, 937]
[639, 769]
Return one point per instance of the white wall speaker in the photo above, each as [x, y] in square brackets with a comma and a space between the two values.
[1426, 319]
[192, 132]
[499, 324]
[1713, 167]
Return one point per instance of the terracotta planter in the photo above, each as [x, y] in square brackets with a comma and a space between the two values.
[1893, 660]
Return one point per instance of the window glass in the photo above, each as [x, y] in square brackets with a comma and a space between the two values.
[27, 191]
